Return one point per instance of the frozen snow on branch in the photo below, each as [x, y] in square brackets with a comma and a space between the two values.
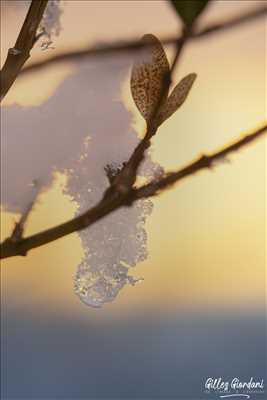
[51, 23]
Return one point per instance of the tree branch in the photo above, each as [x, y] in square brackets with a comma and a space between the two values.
[20, 53]
[127, 176]
[203, 162]
[135, 45]
[114, 197]
[114, 200]
[121, 191]
[18, 230]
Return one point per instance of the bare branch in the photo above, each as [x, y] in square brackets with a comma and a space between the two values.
[18, 230]
[20, 53]
[114, 200]
[203, 162]
[135, 45]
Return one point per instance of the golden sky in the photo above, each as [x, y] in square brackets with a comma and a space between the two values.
[206, 236]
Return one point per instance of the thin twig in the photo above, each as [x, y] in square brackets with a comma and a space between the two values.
[203, 162]
[127, 177]
[20, 53]
[115, 200]
[18, 230]
[135, 45]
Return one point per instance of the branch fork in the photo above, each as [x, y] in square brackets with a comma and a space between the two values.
[150, 84]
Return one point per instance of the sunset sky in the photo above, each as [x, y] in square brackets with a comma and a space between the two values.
[207, 235]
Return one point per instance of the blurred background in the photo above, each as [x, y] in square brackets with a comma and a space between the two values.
[200, 310]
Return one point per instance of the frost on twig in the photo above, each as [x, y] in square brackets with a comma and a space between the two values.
[50, 25]
[111, 248]
[114, 245]
[112, 170]
[119, 241]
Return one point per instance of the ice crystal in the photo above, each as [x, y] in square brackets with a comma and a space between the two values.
[51, 22]
[101, 284]
[114, 244]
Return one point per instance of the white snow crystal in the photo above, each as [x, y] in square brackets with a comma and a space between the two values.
[50, 25]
